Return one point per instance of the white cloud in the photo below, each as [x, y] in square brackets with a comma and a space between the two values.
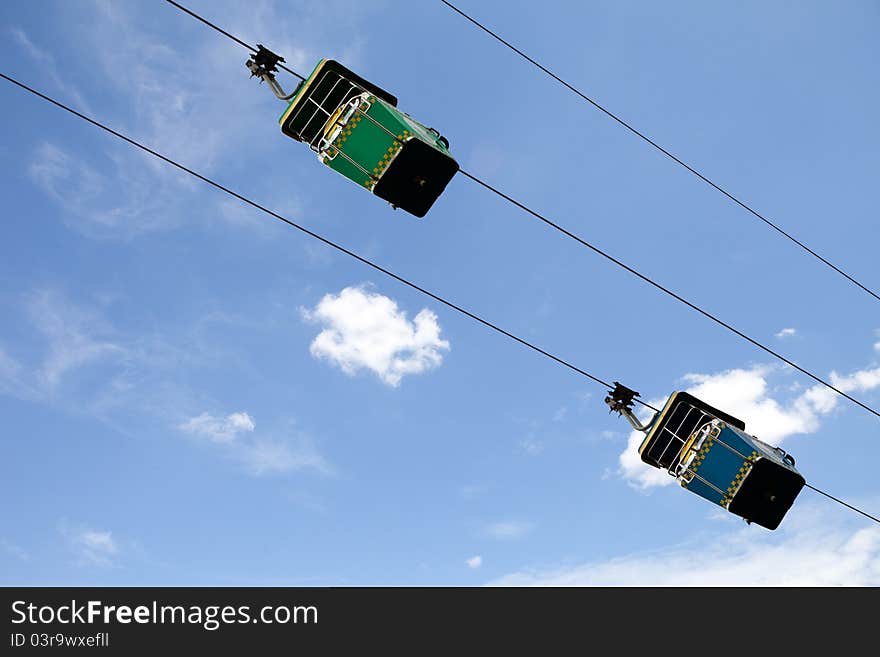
[637, 472]
[365, 330]
[812, 550]
[218, 429]
[91, 546]
[860, 381]
[744, 393]
[259, 455]
[786, 333]
[508, 530]
[474, 562]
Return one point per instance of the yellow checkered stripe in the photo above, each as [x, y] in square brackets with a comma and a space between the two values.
[701, 456]
[387, 156]
[341, 138]
[738, 479]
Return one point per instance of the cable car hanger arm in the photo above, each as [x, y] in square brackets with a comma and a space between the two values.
[263, 64]
[620, 401]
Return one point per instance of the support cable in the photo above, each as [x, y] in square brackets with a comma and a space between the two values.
[663, 150]
[228, 34]
[842, 503]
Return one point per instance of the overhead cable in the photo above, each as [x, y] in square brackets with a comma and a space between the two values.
[665, 151]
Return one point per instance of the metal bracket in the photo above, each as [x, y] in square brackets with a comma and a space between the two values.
[266, 60]
[264, 64]
[620, 401]
[621, 398]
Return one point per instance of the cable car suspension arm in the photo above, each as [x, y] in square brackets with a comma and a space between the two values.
[620, 401]
[263, 64]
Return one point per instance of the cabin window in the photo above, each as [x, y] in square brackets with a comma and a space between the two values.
[327, 89]
[324, 97]
[685, 415]
[677, 427]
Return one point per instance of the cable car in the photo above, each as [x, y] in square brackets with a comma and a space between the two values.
[709, 452]
[356, 129]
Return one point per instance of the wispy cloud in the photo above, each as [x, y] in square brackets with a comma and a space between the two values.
[119, 193]
[91, 547]
[277, 456]
[531, 446]
[509, 530]
[75, 358]
[120, 199]
[474, 562]
[258, 454]
[813, 550]
[174, 110]
[786, 333]
[75, 338]
[365, 330]
[87, 366]
[48, 66]
[71, 334]
[218, 429]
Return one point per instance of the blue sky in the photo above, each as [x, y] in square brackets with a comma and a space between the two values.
[194, 394]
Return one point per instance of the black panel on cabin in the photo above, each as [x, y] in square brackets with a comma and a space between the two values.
[416, 177]
[767, 493]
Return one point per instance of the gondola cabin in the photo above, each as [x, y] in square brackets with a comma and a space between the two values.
[710, 454]
[356, 129]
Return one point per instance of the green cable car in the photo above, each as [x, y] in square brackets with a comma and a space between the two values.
[356, 129]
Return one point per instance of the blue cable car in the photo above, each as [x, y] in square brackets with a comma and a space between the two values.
[709, 452]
